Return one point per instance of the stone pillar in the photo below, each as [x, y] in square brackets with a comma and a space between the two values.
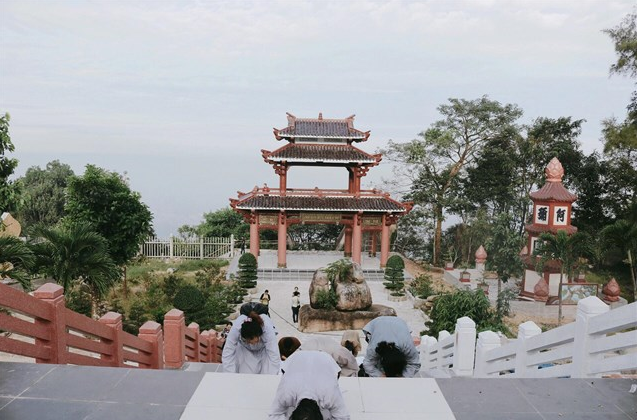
[53, 294]
[583, 358]
[114, 321]
[487, 341]
[481, 258]
[151, 332]
[465, 346]
[348, 241]
[384, 242]
[282, 240]
[254, 235]
[194, 328]
[526, 330]
[357, 239]
[174, 342]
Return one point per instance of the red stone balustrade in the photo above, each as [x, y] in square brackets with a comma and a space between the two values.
[42, 327]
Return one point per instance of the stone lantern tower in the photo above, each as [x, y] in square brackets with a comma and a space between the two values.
[552, 205]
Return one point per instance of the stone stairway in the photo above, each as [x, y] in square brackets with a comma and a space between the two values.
[288, 274]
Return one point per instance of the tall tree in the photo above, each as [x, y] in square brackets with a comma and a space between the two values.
[220, 223]
[503, 248]
[44, 194]
[565, 249]
[9, 191]
[105, 200]
[623, 235]
[76, 253]
[443, 151]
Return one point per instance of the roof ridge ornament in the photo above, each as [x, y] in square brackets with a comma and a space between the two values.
[554, 171]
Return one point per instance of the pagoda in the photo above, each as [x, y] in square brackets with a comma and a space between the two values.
[321, 142]
[552, 205]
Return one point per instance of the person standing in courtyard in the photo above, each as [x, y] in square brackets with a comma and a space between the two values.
[265, 300]
[390, 351]
[296, 305]
[251, 346]
[309, 389]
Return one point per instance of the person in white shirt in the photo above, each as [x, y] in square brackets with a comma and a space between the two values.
[251, 346]
[391, 351]
[296, 305]
[309, 389]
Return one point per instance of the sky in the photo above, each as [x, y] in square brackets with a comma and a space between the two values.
[183, 95]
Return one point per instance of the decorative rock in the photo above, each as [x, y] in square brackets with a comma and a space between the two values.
[353, 296]
[541, 290]
[611, 291]
[316, 320]
[352, 293]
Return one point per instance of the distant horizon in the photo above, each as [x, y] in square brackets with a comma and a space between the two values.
[182, 96]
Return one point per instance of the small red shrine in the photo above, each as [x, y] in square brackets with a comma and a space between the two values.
[552, 205]
[321, 142]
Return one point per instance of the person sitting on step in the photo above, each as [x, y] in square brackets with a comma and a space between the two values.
[309, 389]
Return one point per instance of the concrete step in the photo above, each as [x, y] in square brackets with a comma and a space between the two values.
[286, 274]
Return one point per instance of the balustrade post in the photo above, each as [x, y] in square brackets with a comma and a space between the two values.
[526, 330]
[582, 359]
[174, 340]
[151, 332]
[171, 248]
[219, 349]
[232, 245]
[53, 294]
[441, 336]
[205, 338]
[487, 341]
[464, 347]
[194, 327]
[201, 247]
[114, 321]
[427, 345]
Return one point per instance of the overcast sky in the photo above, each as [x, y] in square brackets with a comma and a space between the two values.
[183, 95]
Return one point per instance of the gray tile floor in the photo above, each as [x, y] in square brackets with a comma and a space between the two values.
[29, 391]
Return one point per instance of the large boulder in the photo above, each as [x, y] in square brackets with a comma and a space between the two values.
[352, 292]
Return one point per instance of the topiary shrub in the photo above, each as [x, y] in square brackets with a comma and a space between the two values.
[189, 299]
[422, 287]
[247, 271]
[395, 276]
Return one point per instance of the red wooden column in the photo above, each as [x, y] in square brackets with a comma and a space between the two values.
[254, 234]
[357, 239]
[282, 240]
[384, 241]
[282, 171]
[348, 241]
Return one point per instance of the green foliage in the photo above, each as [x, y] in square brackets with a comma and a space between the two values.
[247, 271]
[9, 190]
[220, 223]
[171, 285]
[341, 269]
[17, 261]
[44, 194]
[78, 299]
[105, 200]
[325, 299]
[314, 237]
[422, 286]
[448, 307]
[136, 317]
[75, 254]
[395, 276]
[624, 36]
[503, 249]
[189, 299]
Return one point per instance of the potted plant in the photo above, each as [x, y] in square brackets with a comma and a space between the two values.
[484, 286]
[449, 262]
[465, 276]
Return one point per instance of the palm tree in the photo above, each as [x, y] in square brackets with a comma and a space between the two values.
[16, 261]
[564, 248]
[76, 254]
[623, 235]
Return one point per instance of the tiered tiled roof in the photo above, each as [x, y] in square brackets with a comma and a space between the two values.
[376, 204]
[554, 191]
[335, 153]
[320, 128]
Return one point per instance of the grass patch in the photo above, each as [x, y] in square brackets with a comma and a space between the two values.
[138, 269]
